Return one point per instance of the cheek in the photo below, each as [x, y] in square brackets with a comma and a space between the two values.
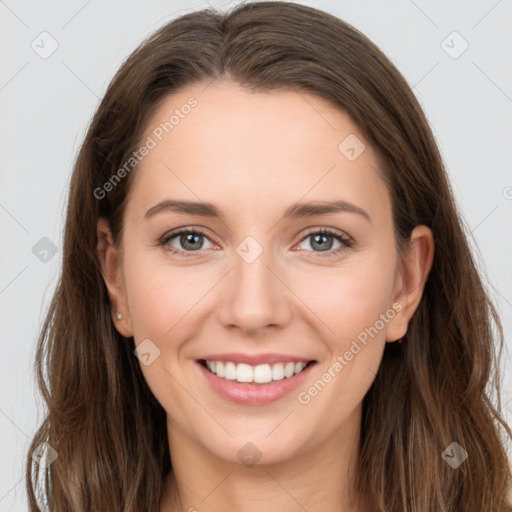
[161, 295]
[161, 300]
[347, 300]
[350, 304]
[354, 302]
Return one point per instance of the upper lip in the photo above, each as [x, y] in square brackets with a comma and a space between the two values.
[255, 359]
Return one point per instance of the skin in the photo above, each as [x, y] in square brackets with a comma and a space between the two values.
[254, 155]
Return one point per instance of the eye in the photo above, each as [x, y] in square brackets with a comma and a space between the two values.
[322, 241]
[190, 240]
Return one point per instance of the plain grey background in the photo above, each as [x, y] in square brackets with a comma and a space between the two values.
[457, 58]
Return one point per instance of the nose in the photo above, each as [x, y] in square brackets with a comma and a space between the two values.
[256, 297]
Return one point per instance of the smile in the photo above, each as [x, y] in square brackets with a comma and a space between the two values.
[260, 374]
[253, 385]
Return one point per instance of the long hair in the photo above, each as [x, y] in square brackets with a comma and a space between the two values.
[434, 388]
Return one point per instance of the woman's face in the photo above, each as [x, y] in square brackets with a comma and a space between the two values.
[290, 258]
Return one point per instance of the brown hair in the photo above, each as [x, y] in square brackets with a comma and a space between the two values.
[432, 389]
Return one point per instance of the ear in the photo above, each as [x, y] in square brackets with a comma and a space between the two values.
[112, 275]
[414, 268]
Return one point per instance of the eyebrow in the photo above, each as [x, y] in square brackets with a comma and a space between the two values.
[295, 211]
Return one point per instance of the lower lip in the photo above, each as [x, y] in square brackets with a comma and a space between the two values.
[254, 394]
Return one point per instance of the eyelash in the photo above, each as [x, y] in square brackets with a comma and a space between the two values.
[346, 241]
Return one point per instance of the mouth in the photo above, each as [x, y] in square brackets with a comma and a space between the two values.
[255, 374]
[253, 385]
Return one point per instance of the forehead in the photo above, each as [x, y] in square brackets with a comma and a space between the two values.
[252, 148]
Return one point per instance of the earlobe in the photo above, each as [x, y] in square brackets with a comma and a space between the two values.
[415, 266]
[108, 255]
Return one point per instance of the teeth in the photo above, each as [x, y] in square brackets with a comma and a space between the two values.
[278, 371]
[260, 374]
[289, 369]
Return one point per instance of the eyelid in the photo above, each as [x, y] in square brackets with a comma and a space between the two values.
[330, 231]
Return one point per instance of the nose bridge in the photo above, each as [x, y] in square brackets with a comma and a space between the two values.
[257, 298]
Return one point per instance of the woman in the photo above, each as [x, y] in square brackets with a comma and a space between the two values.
[267, 298]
